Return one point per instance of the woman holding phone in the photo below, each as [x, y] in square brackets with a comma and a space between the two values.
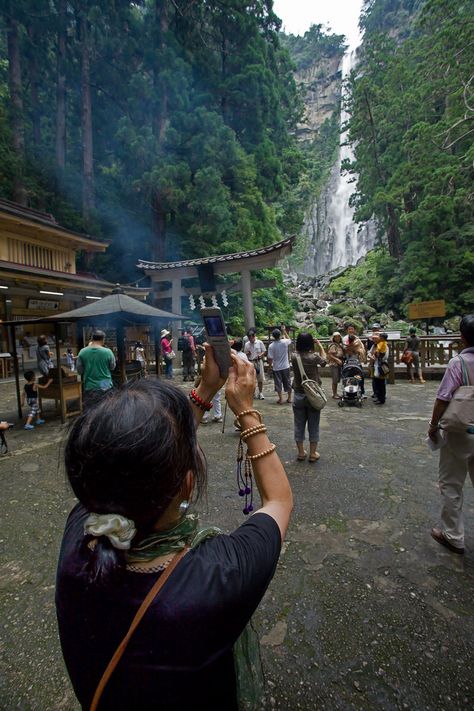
[134, 463]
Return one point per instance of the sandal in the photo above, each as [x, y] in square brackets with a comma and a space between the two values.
[314, 457]
[439, 537]
[301, 457]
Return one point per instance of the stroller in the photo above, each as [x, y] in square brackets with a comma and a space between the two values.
[351, 382]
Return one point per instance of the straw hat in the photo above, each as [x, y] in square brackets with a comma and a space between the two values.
[164, 333]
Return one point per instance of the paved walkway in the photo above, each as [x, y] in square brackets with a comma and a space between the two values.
[365, 610]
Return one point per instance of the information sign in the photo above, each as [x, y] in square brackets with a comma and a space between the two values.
[426, 309]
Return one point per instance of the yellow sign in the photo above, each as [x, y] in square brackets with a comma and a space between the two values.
[426, 309]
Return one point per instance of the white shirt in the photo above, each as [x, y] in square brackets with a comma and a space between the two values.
[242, 356]
[255, 349]
[278, 352]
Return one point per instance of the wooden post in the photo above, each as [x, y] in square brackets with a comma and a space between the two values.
[121, 353]
[249, 316]
[157, 338]
[62, 404]
[391, 363]
[16, 370]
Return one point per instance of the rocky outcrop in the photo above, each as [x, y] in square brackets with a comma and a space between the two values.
[321, 86]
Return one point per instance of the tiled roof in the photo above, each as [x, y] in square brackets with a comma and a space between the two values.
[162, 266]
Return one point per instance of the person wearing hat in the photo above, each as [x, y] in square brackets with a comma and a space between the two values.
[168, 353]
[279, 363]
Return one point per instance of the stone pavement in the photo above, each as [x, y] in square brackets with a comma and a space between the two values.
[365, 610]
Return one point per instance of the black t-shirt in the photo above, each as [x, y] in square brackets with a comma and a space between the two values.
[180, 656]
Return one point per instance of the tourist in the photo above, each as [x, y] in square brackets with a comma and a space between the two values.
[280, 364]
[303, 413]
[379, 358]
[237, 345]
[95, 364]
[168, 353]
[412, 350]
[30, 395]
[70, 360]
[188, 355]
[255, 351]
[456, 455]
[354, 346]
[335, 355]
[134, 463]
[140, 356]
[44, 357]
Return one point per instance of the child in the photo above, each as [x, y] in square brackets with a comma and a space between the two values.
[70, 359]
[30, 394]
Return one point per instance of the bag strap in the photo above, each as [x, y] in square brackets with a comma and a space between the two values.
[464, 370]
[301, 369]
[135, 622]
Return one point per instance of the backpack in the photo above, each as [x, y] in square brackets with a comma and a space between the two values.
[313, 390]
[186, 345]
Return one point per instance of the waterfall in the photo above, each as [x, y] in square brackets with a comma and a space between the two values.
[334, 239]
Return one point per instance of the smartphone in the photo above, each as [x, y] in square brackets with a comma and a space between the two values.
[216, 336]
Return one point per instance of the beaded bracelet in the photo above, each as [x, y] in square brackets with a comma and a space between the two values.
[271, 449]
[258, 429]
[250, 412]
[199, 402]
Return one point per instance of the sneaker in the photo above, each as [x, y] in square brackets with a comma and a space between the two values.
[40, 422]
[204, 420]
[261, 396]
[29, 427]
[217, 419]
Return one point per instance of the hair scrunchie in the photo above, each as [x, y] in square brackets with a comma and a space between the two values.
[118, 529]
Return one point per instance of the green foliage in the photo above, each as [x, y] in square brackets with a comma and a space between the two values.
[315, 45]
[411, 124]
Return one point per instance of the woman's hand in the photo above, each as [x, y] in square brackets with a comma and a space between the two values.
[240, 386]
[211, 380]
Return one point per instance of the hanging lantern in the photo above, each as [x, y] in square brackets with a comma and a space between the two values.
[192, 303]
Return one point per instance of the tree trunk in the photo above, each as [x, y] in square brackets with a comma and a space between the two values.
[393, 233]
[159, 124]
[88, 202]
[33, 72]
[16, 108]
[61, 88]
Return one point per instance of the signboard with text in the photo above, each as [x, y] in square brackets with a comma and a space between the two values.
[43, 305]
[426, 309]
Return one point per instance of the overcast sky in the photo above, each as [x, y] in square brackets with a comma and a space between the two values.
[341, 16]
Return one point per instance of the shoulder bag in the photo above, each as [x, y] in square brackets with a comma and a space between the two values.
[313, 390]
[459, 415]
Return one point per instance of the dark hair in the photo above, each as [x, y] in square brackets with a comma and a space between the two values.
[237, 345]
[29, 375]
[383, 336]
[138, 344]
[98, 335]
[304, 342]
[412, 329]
[350, 325]
[42, 340]
[251, 332]
[276, 333]
[466, 326]
[129, 454]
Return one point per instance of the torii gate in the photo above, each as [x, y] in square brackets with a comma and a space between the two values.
[207, 268]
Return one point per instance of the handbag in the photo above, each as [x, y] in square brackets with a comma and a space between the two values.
[406, 358]
[313, 390]
[170, 355]
[459, 415]
[385, 368]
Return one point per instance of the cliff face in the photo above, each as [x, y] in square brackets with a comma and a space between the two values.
[321, 86]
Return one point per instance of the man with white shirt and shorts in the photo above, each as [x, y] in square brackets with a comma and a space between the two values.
[255, 351]
[280, 363]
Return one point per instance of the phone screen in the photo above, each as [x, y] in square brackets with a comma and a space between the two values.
[214, 326]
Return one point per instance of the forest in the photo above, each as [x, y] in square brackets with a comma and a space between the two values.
[168, 127]
[412, 124]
